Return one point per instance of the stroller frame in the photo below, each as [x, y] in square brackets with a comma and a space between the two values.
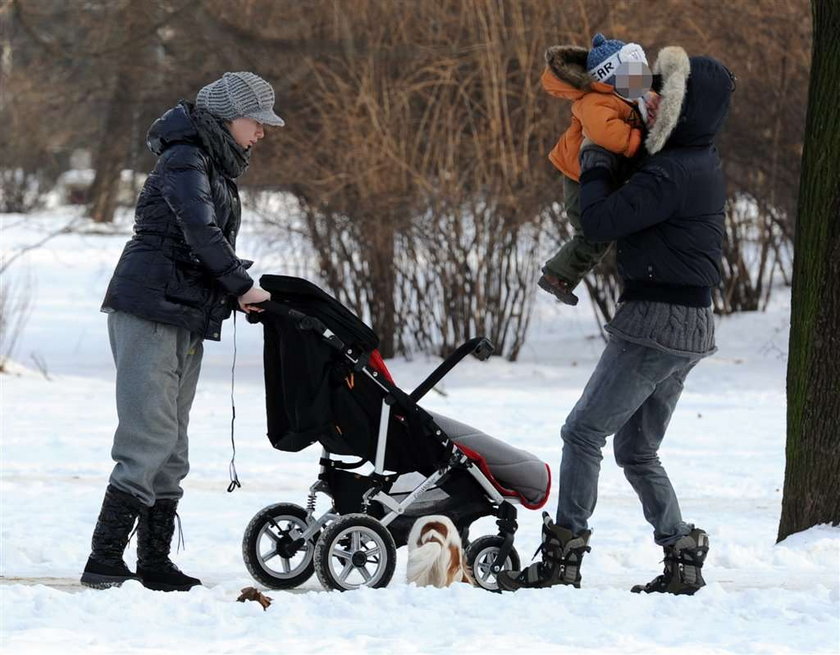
[307, 531]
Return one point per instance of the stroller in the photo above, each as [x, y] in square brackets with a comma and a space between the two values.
[327, 383]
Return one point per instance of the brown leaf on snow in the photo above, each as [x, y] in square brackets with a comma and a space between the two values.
[252, 593]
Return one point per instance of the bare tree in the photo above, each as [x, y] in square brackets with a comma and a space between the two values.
[430, 179]
[417, 132]
[812, 477]
[126, 73]
[15, 307]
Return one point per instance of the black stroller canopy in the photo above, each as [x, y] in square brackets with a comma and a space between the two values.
[315, 393]
[314, 301]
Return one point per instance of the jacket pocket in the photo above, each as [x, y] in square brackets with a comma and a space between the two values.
[188, 287]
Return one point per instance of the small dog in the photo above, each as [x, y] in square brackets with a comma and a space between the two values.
[435, 555]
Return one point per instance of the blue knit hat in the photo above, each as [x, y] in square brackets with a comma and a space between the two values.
[606, 54]
[602, 50]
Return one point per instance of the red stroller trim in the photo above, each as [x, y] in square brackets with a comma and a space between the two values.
[478, 458]
[378, 363]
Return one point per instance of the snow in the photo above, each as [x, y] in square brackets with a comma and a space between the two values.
[724, 452]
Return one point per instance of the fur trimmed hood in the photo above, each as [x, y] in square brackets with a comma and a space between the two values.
[695, 94]
[567, 63]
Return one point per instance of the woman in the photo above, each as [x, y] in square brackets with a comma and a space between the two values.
[175, 283]
[668, 224]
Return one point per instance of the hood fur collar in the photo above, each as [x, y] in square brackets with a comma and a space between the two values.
[673, 65]
[568, 63]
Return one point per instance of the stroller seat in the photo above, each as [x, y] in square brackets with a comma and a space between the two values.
[516, 473]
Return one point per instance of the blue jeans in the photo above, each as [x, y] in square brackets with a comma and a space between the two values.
[632, 394]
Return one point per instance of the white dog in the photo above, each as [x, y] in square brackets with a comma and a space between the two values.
[435, 555]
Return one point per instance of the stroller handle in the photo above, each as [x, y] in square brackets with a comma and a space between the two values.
[481, 347]
[303, 321]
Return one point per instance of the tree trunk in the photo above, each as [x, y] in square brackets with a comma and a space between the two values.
[114, 148]
[383, 278]
[112, 154]
[812, 477]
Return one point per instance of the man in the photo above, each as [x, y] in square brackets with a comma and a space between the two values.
[178, 278]
[668, 222]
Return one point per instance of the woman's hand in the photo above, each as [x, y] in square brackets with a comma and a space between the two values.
[251, 297]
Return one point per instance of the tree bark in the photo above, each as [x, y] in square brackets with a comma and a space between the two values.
[114, 148]
[383, 277]
[812, 477]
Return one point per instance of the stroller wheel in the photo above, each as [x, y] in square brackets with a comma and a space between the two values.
[355, 551]
[481, 554]
[271, 552]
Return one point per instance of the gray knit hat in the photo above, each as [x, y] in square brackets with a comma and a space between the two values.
[240, 95]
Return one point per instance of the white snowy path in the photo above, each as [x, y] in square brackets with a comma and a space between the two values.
[724, 452]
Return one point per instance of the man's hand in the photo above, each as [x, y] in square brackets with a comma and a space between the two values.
[592, 156]
[251, 297]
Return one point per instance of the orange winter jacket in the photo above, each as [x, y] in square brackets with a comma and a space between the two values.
[609, 120]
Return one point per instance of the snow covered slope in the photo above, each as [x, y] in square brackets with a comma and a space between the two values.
[724, 452]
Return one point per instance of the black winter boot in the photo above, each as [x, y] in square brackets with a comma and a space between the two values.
[683, 564]
[562, 553]
[105, 566]
[154, 537]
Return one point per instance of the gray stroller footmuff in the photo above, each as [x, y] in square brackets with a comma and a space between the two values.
[511, 468]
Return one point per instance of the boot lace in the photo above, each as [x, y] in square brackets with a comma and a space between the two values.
[551, 556]
[180, 542]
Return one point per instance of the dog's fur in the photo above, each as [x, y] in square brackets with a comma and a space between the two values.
[435, 555]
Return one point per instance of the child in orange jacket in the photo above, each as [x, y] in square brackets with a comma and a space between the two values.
[588, 78]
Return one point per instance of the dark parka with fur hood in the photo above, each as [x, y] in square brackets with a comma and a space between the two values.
[180, 268]
[668, 218]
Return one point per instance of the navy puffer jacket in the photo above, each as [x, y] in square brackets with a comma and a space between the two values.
[179, 267]
[668, 218]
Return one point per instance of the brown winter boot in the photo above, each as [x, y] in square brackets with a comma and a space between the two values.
[562, 553]
[683, 563]
[557, 287]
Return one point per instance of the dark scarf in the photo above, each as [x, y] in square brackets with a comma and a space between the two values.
[231, 158]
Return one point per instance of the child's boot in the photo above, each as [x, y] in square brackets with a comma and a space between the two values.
[557, 287]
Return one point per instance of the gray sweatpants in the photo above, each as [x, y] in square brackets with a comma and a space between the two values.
[157, 372]
[632, 394]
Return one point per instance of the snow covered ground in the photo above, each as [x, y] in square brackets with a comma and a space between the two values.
[724, 452]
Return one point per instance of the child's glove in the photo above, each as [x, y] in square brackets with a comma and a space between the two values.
[594, 156]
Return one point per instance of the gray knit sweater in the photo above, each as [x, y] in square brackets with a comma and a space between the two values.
[675, 329]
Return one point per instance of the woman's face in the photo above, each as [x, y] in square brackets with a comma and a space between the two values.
[246, 131]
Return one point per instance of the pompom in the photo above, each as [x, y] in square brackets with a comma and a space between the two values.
[598, 40]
